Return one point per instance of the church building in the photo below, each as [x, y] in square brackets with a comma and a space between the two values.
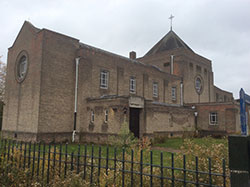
[60, 89]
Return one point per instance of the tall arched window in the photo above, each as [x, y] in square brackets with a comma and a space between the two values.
[198, 85]
[22, 67]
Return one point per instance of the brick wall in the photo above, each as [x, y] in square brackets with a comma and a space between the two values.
[120, 70]
[58, 83]
[21, 108]
[189, 66]
[222, 95]
[228, 117]
[160, 118]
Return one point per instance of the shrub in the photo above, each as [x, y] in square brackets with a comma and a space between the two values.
[215, 152]
[12, 172]
[124, 139]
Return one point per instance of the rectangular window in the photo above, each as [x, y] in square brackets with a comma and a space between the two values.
[155, 89]
[92, 117]
[104, 77]
[132, 85]
[213, 118]
[173, 93]
[106, 116]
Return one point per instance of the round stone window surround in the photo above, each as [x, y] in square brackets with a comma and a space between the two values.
[22, 66]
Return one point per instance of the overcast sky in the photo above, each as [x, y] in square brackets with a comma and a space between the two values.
[216, 29]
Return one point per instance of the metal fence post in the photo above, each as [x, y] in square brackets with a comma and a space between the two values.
[99, 164]
[239, 160]
[38, 160]
[65, 160]
[132, 168]
[78, 159]
[48, 165]
[123, 167]
[33, 161]
[92, 164]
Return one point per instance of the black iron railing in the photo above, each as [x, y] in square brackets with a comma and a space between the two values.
[121, 167]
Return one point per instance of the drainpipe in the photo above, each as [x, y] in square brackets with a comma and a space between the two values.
[181, 93]
[75, 110]
[196, 121]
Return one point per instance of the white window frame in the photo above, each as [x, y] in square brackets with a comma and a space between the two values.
[173, 93]
[92, 116]
[104, 79]
[155, 89]
[132, 85]
[106, 116]
[215, 115]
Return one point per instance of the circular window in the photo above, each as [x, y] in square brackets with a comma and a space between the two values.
[21, 66]
[198, 85]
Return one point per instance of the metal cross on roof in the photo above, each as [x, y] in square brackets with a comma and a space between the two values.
[171, 18]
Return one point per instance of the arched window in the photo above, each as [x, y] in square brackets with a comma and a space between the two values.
[22, 67]
[198, 85]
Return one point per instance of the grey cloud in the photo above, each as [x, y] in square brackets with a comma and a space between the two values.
[217, 30]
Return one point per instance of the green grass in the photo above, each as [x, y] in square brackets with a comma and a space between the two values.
[176, 143]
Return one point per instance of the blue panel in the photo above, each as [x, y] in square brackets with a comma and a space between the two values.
[247, 99]
[244, 98]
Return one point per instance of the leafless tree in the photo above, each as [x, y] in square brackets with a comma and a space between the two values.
[2, 79]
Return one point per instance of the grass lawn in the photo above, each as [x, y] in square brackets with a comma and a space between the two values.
[172, 143]
[176, 143]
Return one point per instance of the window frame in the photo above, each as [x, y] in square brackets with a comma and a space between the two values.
[104, 80]
[106, 113]
[215, 115]
[155, 89]
[92, 116]
[173, 96]
[132, 84]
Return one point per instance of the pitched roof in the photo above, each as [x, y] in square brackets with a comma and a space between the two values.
[29, 25]
[170, 41]
[125, 58]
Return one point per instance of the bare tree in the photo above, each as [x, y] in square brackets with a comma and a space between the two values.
[2, 79]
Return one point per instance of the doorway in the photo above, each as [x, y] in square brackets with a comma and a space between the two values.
[134, 121]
